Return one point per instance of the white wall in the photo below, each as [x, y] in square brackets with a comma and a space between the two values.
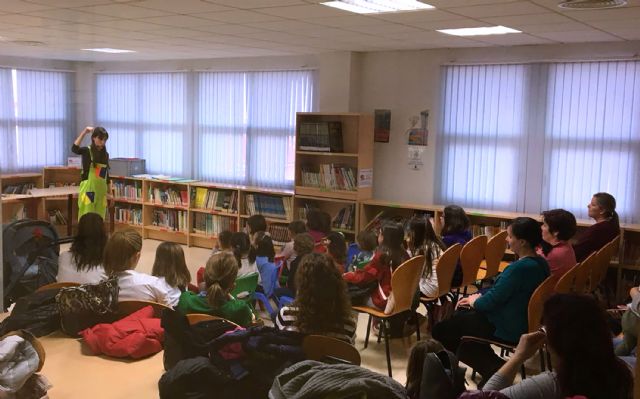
[407, 82]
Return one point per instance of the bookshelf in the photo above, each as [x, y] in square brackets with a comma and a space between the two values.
[344, 213]
[277, 207]
[165, 211]
[15, 207]
[60, 210]
[213, 208]
[128, 202]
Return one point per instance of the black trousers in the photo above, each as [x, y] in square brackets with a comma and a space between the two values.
[469, 322]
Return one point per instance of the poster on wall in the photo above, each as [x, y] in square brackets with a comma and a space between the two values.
[419, 134]
[365, 178]
[382, 128]
[415, 161]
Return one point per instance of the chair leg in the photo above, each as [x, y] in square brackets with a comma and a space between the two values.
[417, 320]
[385, 330]
[380, 323]
[366, 338]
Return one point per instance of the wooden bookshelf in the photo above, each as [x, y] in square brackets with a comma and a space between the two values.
[15, 205]
[333, 207]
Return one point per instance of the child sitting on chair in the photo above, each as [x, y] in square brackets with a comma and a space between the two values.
[367, 243]
[224, 242]
[288, 252]
[121, 256]
[220, 278]
[171, 265]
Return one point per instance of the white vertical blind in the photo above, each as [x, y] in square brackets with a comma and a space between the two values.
[35, 118]
[146, 117]
[539, 136]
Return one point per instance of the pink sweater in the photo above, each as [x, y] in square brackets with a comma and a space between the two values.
[561, 258]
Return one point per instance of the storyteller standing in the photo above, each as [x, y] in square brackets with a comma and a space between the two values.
[95, 174]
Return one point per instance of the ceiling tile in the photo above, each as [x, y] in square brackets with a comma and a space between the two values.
[626, 33]
[604, 15]
[124, 11]
[126, 25]
[180, 21]
[70, 3]
[26, 20]
[230, 29]
[418, 16]
[514, 39]
[561, 27]
[496, 10]
[445, 4]
[247, 4]
[529, 19]
[182, 6]
[20, 6]
[578, 36]
[345, 21]
[178, 32]
[239, 17]
[307, 11]
[69, 15]
[453, 24]
[384, 29]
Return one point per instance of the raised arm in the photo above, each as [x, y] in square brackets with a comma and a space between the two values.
[83, 133]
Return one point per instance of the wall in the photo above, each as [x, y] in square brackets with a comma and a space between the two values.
[407, 82]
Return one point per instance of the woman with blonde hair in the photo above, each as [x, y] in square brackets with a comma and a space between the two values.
[220, 276]
[171, 265]
[322, 304]
[121, 256]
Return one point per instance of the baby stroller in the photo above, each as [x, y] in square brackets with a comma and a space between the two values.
[30, 253]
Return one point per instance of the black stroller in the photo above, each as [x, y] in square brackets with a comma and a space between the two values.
[30, 253]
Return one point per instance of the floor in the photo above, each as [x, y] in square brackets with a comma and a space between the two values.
[77, 374]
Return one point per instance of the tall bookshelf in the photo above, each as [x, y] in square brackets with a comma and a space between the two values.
[15, 207]
[335, 182]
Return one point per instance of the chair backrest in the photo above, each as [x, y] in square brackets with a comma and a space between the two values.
[324, 349]
[195, 318]
[566, 283]
[583, 274]
[603, 260]
[245, 285]
[494, 253]
[404, 283]
[125, 308]
[470, 258]
[446, 267]
[537, 300]
[55, 286]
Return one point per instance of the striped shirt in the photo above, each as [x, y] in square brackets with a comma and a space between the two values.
[286, 321]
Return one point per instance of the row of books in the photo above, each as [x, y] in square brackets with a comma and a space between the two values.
[22, 188]
[128, 191]
[270, 206]
[171, 219]
[213, 224]
[57, 217]
[279, 234]
[128, 215]
[345, 218]
[330, 176]
[217, 200]
[320, 136]
[168, 197]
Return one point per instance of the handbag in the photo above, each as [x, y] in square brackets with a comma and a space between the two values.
[442, 377]
[86, 305]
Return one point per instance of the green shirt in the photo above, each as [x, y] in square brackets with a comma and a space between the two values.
[234, 310]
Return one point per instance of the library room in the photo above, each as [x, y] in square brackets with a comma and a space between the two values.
[320, 199]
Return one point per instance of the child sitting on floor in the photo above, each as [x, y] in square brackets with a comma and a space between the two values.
[171, 265]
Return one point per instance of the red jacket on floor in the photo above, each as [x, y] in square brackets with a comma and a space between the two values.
[137, 335]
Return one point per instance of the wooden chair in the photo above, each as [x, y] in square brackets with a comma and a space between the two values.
[125, 308]
[534, 317]
[404, 285]
[327, 349]
[195, 318]
[55, 286]
[444, 271]
[471, 256]
[603, 260]
[493, 255]
[583, 274]
[566, 283]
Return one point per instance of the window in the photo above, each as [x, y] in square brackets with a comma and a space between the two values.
[35, 119]
[531, 137]
[246, 120]
[146, 117]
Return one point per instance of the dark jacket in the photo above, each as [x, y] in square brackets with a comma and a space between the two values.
[36, 313]
[99, 157]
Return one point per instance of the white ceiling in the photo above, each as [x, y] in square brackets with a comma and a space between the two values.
[175, 29]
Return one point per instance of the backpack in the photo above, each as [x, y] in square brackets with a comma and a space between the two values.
[442, 377]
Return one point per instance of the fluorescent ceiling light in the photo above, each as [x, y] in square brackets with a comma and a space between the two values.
[108, 50]
[377, 6]
[487, 30]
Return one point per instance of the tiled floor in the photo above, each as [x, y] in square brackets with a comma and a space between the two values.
[75, 374]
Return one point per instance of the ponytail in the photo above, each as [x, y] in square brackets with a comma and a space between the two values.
[216, 295]
[220, 275]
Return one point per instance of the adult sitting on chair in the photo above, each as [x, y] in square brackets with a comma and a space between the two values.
[579, 341]
[500, 313]
[322, 306]
[602, 209]
[558, 226]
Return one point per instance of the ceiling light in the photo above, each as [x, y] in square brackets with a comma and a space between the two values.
[108, 50]
[591, 4]
[378, 6]
[486, 30]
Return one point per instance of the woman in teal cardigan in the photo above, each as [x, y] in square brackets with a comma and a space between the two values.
[501, 313]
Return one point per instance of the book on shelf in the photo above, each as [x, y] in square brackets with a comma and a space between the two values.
[269, 205]
[279, 234]
[320, 136]
[168, 196]
[384, 217]
[129, 215]
[213, 224]
[57, 217]
[20, 188]
[129, 191]
[216, 200]
[345, 218]
[330, 176]
[171, 219]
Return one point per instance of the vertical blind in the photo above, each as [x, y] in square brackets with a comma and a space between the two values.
[531, 137]
[231, 127]
[36, 116]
